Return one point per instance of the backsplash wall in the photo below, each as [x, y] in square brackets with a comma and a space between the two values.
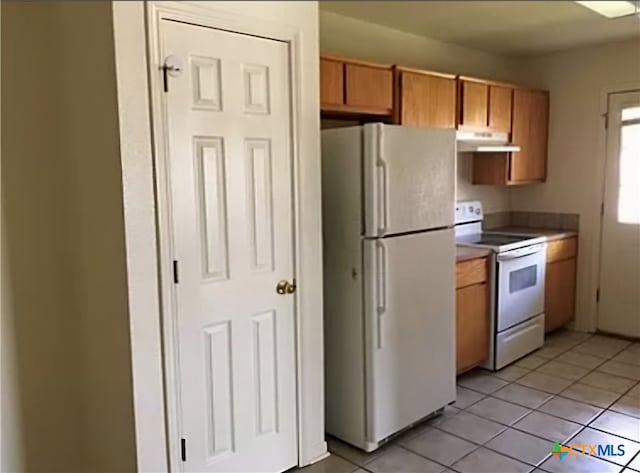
[543, 220]
[494, 198]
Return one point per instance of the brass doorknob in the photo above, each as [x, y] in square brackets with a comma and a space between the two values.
[286, 287]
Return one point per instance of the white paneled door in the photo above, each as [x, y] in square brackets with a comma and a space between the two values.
[619, 305]
[230, 183]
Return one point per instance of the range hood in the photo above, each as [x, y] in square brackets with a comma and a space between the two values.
[484, 142]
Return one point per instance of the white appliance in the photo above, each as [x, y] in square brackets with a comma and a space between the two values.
[389, 263]
[484, 142]
[517, 273]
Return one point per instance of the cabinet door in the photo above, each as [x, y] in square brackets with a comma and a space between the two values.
[472, 326]
[474, 97]
[560, 288]
[369, 87]
[427, 100]
[500, 108]
[529, 130]
[331, 82]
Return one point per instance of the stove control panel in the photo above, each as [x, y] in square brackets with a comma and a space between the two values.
[469, 211]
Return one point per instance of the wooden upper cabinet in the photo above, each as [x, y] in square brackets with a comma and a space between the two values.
[474, 105]
[365, 90]
[529, 130]
[500, 108]
[331, 82]
[355, 87]
[426, 99]
[369, 87]
[529, 125]
[484, 105]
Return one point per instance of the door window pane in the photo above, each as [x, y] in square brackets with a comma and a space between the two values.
[523, 278]
[630, 113]
[629, 190]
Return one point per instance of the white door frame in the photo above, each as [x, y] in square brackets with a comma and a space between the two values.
[142, 150]
[598, 198]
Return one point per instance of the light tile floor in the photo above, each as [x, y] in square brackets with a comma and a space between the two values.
[578, 388]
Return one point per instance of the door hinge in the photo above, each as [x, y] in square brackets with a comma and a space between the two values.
[598, 295]
[175, 272]
[183, 449]
[606, 120]
[602, 209]
[165, 80]
[172, 67]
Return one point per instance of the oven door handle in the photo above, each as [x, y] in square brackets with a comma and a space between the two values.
[521, 252]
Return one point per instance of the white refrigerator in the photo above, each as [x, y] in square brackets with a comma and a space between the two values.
[389, 278]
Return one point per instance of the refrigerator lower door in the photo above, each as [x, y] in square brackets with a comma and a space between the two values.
[409, 179]
[409, 329]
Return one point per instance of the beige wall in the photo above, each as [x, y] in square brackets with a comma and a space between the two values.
[65, 334]
[358, 39]
[576, 80]
[42, 322]
[91, 144]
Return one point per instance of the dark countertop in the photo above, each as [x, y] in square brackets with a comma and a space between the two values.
[465, 253]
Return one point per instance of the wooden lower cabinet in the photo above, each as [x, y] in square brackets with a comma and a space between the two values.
[560, 283]
[472, 326]
[472, 314]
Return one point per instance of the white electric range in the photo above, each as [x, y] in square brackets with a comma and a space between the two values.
[517, 273]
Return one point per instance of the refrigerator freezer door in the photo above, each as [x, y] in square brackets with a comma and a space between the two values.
[409, 179]
[409, 329]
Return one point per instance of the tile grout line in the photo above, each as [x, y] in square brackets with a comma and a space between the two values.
[575, 381]
[531, 410]
[582, 426]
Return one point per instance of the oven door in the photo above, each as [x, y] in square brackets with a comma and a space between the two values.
[521, 275]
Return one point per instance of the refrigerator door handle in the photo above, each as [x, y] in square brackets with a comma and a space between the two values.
[382, 196]
[381, 256]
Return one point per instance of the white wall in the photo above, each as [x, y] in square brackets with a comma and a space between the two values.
[349, 37]
[576, 80]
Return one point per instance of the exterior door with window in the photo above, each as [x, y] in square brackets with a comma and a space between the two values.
[619, 306]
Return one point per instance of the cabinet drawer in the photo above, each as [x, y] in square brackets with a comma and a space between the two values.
[561, 249]
[471, 272]
[519, 341]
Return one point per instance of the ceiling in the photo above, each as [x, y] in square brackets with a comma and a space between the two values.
[512, 28]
